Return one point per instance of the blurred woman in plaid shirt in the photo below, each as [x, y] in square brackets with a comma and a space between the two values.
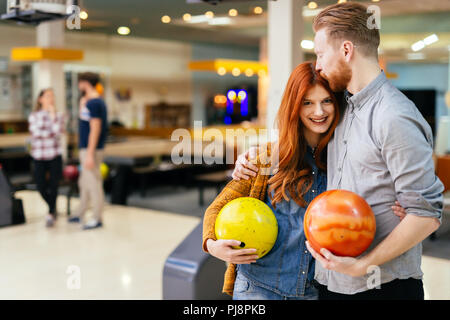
[46, 126]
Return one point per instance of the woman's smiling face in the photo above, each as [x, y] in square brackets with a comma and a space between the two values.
[317, 112]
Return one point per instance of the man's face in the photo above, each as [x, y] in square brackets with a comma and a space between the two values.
[330, 62]
[82, 87]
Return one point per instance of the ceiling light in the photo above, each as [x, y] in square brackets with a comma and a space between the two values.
[257, 10]
[431, 39]
[310, 12]
[342, 1]
[123, 31]
[166, 19]
[249, 72]
[375, 0]
[419, 45]
[187, 17]
[261, 73]
[312, 5]
[209, 14]
[219, 21]
[307, 44]
[221, 71]
[83, 15]
[236, 72]
[233, 13]
[198, 19]
[416, 56]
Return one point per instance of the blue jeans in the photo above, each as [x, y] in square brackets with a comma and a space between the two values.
[246, 289]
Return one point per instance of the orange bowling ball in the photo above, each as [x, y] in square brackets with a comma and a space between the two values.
[340, 221]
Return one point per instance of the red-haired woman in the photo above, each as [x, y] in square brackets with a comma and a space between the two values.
[307, 117]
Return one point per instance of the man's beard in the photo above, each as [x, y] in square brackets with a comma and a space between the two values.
[339, 79]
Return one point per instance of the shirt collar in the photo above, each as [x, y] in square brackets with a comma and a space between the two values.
[310, 150]
[358, 99]
[310, 154]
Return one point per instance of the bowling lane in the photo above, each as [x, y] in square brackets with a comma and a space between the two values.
[123, 260]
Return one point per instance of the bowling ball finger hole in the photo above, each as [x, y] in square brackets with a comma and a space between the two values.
[242, 244]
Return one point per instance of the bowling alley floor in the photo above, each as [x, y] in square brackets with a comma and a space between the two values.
[125, 258]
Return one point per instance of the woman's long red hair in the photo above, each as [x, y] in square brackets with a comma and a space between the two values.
[293, 173]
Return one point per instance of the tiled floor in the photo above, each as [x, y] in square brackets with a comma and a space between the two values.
[123, 260]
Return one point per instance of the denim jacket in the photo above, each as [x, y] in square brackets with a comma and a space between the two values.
[288, 269]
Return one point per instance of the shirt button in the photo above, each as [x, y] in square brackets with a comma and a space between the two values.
[339, 169]
[313, 191]
[303, 272]
[345, 141]
[313, 172]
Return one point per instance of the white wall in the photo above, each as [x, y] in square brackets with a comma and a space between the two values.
[146, 66]
[10, 37]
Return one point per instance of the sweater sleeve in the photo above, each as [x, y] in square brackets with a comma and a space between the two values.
[234, 189]
[254, 187]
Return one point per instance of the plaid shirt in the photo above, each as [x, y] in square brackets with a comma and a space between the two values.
[45, 134]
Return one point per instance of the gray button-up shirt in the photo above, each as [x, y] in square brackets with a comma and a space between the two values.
[382, 150]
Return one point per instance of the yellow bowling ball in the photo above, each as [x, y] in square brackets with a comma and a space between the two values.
[104, 170]
[250, 221]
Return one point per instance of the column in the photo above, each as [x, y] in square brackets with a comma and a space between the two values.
[263, 84]
[285, 31]
[50, 73]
